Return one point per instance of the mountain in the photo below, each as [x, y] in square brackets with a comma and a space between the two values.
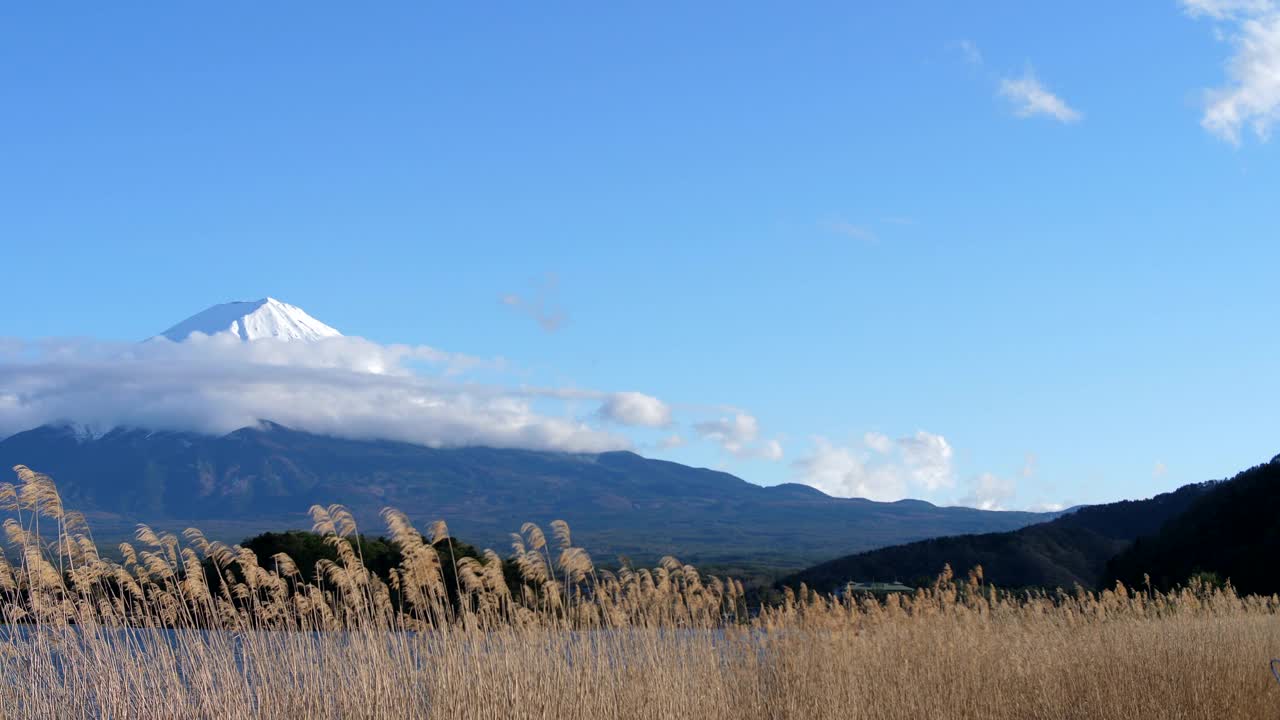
[265, 478]
[1071, 549]
[255, 320]
[1233, 531]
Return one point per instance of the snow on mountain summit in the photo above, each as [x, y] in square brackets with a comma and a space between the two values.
[253, 320]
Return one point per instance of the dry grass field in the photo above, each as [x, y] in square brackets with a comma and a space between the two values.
[186, 628]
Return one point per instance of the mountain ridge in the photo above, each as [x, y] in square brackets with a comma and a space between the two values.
[265, 477]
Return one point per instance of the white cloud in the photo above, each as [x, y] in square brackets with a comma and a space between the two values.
[732, 433]
[635, 408]
[989, 492]
[929, 458]
[737, 435]
[1159, 471]
[771, 450]
[878, 442]
[342, 386]
[1226, 9]
[1030, 98]
[879, 468]
[844, 472]
[1251, 96]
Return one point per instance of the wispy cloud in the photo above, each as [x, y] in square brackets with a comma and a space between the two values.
[1251, 96]
[1030, 466]
[1030, 98]
[839, 226]
[542, 304]
[1159, 470]
[1226, 9]
[968, 50]
[989, 491]
[671, 442]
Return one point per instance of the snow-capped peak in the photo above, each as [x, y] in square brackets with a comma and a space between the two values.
[254, 320]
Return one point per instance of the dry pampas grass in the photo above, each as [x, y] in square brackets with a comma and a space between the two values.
[185, 627]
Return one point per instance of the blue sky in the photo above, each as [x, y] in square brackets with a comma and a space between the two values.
[1008, 255]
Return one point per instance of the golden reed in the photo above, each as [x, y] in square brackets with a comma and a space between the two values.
[183, 627]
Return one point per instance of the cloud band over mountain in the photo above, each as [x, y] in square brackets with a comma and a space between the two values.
[235, 364]
[341, 386]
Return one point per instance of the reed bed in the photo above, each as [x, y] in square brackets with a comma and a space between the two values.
[183, 627]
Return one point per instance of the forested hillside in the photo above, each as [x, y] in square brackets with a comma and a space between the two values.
[1232, 532]
[1071, 549]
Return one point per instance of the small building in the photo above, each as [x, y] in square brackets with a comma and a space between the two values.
[873, 588]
